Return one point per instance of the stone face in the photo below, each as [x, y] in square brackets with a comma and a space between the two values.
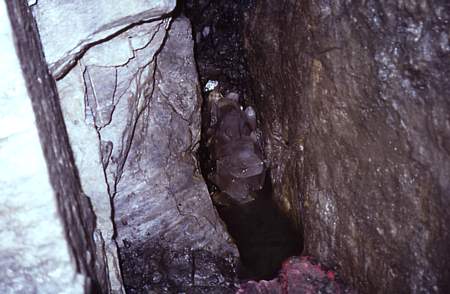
[354, 103]
[102, 63]
[46, 221]
[85, 23]
[102, 97]
[161, 197]
[130, 100]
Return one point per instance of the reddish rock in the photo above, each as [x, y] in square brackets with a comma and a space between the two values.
[298, 275]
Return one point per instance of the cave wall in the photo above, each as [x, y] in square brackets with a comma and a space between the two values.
[46, 222]
[353, 98]
[129, 93]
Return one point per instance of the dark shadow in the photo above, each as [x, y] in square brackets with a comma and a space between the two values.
[264, 236]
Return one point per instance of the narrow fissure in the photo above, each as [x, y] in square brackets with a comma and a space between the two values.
[263, 235]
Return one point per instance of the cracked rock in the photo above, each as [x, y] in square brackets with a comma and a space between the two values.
[46, 222]
[161, 194]
[69, 28]
[130, 99]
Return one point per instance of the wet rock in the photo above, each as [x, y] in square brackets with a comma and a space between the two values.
[46, 222]
[239, 166]
[353, 101]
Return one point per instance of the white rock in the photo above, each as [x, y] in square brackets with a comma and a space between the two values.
[68, 28]
[34, 252]
[211, 85]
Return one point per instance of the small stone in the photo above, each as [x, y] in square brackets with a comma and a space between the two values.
[205, 32]
[211, 85]
[156, 277]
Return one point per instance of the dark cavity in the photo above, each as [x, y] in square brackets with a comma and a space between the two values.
[264, 236]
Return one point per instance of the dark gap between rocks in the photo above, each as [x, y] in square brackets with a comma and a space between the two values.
[264, 236]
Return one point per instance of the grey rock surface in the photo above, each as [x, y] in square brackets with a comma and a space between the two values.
[161, 196]
[69, 28]
[101, 98]
[354, 102]
[46, 222]
[130, 99]
[90, 51]
[239, 167]
[158, 268]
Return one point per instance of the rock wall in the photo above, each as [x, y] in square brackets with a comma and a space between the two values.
[162, 205]
[128, 89]
[217, 27]
[46, 222]
[354, 102]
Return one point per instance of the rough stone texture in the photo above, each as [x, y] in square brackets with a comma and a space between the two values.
[217, 28]
[101, 98]
[239, 167]
[158, 189]
[129, 95]
[354, 102]
[46, 221]
[86, 23]
[155, 268]
[161, 197]
[90, 51]
[299, 275]
[263, 235]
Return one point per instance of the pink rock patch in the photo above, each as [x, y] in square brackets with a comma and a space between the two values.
[297, 276]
